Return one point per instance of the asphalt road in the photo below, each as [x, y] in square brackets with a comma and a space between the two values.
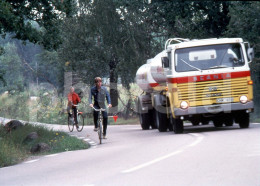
[130, 156]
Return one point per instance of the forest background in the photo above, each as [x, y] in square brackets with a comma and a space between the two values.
[49, 45]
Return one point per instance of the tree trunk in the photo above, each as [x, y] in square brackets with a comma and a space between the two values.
[113, 84]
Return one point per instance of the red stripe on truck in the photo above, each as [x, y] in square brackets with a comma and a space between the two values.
[208, 77]
[153, 84]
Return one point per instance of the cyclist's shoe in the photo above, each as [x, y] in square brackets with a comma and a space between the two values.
[77, 126]
[104, 136]
[96, 129]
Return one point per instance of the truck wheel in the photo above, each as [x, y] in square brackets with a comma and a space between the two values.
[143, 118]
[177, 125]
[144, 121]
[218, 122]
[161, 121]
[243, 120]
[170, 126]
[195, 121]
[205, 122]
[228, 121]
[153, 122]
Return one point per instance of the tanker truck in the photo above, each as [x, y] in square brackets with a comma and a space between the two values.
[198, 81]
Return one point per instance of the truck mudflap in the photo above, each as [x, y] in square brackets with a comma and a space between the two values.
[214, 109]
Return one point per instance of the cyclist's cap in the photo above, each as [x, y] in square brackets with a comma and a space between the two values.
[98, 79]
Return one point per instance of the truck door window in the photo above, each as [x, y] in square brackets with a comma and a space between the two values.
[209, 57]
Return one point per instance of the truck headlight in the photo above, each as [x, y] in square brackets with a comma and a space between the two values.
[184, 105]
[243, 99]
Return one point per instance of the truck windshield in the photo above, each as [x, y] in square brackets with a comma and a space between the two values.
[208, 57]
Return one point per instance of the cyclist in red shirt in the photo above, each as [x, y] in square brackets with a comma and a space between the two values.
[73, 99]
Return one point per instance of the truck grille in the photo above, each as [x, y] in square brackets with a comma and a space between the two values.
[207, 92]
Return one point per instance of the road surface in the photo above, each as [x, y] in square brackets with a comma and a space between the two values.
[203, 155]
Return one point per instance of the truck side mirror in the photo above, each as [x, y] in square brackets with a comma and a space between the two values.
[250, 54]
[165, 62]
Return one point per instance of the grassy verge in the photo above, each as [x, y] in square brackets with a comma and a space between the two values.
[13, 148]
[122, 121]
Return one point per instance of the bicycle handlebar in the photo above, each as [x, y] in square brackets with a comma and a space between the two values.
[101, 109]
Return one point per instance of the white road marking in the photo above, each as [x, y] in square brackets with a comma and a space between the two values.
[151, 162]
[32, 161]
[198, 140]
[51, 155]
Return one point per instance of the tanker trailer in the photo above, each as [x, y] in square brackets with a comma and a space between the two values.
[199, 81]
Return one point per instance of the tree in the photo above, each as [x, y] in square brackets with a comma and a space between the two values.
[190, 19]
[107, 38]
[20, 18]
[245, 23]
[11, 69]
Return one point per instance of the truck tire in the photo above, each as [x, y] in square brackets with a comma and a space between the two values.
[153, 122]
[177, 125]
[204, 121]
[228, 120]
[243, 120]
[144, 121]
[170, 126]
[218, 121]
[143, 117]
[161, 121]
[195, 121]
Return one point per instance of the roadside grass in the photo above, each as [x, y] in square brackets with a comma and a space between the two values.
[256, 120]
[14, 149]
[122, 121]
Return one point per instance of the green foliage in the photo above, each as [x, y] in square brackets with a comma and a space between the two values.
[25, 17]
[14, 105]
[14, 149]
[245, 23]
[11, 69]
[108, 39]
[190, 19]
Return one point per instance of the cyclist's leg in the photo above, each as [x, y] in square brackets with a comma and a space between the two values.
[68, 111]
[75, 114]
[95, 118]
[104, 122]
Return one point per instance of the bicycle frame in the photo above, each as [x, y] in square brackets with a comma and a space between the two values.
[100, 122]
[79, 128]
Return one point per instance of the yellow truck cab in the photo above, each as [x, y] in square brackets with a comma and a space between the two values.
[204, 80]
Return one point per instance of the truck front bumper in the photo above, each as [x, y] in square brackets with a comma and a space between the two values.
[214, 109]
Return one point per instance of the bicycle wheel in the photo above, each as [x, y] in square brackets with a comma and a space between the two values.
[70, 124]
[100, 131]
[80, 123]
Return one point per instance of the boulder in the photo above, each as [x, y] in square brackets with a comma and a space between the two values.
[40, 147]
[30, 137]
[13, 125]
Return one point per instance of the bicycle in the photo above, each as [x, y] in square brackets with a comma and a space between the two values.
[100, 122]
[71, 121]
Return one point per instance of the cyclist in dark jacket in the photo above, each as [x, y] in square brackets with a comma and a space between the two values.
[100, 95]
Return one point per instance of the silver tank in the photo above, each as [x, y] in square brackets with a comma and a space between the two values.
[151, 74]
[157, 70]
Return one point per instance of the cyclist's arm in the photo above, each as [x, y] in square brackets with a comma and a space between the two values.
[90, 98]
